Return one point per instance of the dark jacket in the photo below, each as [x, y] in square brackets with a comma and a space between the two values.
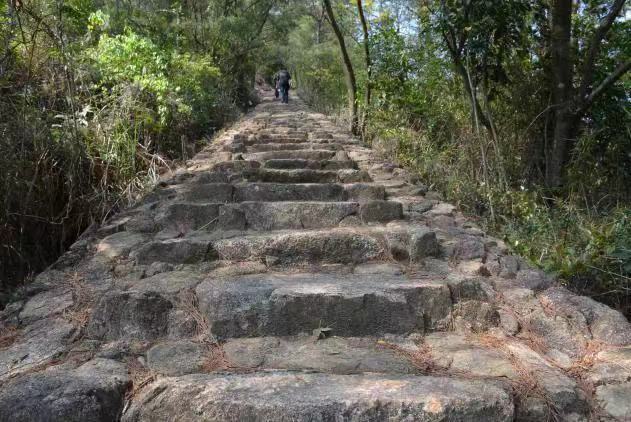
[283, 78]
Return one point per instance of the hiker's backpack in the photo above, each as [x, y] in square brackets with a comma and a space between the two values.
[283, 78]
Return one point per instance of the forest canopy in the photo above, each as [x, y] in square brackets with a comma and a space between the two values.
[515, 110]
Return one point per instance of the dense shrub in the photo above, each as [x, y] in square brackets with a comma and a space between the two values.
[96, 102]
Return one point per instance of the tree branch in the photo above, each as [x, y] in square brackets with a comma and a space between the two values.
[622, 68]
[594, 47]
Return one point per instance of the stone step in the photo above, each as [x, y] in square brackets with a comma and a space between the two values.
[299, 247]
[280, 126]
[333, 354]
[306, 176]
[321, 134]
[93, 391]
[236, 166]
[291, 192]
[505, 361]
[303, 146]
[229, 172]
[270, 192]
[291, 164]
[302, 154]
[316, 352]
[308, 192]
[276, 139]
[351, 305]
[278, 133]
[302, 215]
[275, 215]
[206, 192]
[452, 353]
[283, 396]
[283, 248]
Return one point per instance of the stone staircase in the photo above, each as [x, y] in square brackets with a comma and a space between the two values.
[290, 274]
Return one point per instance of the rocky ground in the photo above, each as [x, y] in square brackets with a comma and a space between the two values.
[290, 274]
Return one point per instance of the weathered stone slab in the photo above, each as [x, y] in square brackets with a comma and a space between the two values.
[269, 147]
[119, 244]
[209, 192]
[291, 154]
[36, 345]
[177, 251]
[361, 192]
[185, 217]
[307, 176]
[45, 304]
[352, 305]
[318, 397]
[614, 399]
[605, 324]
[331, 355]
[381, 211]
[288, 163]
[611, 366]
[302, 247]
[236, 166]
[460, 355]
[469, 248]
[138, 315]
[174, 358]
[288, 192]
[295, 215]
[167, 284]
[92, 392]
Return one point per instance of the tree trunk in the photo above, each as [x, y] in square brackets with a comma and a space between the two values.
[561, 91]
[477, 111]
[362, 18]
[351, 83]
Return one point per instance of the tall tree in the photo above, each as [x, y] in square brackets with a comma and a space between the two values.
[560, 46]
[366, 43]
[351, 82]
[479, 37]
[571, 102]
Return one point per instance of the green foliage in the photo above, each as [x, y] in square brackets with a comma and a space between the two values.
[98, 21]
[180, 84]
[199, 89]
[586, 249]
[97, 98]
[319, 74]
[149, 96]
[130, 58]
[392, 69]
[602, 150]
[428, 60]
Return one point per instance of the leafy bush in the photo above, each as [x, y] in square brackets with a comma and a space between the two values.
[589, 250]
[318, 74]
[133, 59]
[148, 97]
[93, 105]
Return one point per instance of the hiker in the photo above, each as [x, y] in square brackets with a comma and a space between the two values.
[283, 78]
